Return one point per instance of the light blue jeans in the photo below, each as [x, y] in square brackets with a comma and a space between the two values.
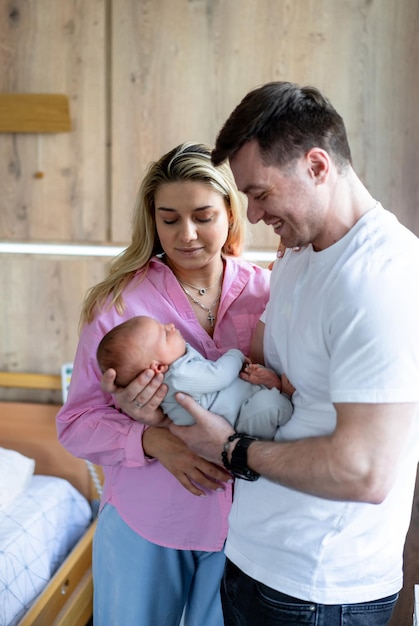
[246, 602]
[138, 583]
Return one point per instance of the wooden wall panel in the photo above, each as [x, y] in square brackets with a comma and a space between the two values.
[55, 47]
[41, 298]
[179, 67]
[145, 75]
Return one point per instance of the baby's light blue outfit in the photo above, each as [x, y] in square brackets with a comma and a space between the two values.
[250, 408]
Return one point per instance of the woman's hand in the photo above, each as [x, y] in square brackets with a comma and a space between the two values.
[187, 467]
[141, 399]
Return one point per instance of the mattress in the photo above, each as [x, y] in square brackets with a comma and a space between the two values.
[37, 531]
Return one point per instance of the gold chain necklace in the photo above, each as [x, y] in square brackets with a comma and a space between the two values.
[201, 290]
[211, 316]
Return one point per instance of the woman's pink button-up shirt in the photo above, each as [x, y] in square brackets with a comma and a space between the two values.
[150, 500]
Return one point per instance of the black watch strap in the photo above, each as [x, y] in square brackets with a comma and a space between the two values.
[238, 465]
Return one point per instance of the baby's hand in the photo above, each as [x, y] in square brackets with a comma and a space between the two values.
[286, 386]
[260, 375]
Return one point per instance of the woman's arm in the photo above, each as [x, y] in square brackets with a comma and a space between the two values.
[191, 470]
[105, 427]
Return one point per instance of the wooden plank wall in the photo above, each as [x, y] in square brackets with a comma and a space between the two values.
[179, 68]
[55, 47]
[144, 75]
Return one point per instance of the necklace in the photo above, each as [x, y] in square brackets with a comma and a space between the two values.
[211, 316]
[201, 290]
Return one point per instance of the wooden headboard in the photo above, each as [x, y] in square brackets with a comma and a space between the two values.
[30, 429]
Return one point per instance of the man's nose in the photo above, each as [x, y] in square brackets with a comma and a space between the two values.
[254, 211]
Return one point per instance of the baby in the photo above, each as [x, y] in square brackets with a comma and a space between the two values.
[144, 343]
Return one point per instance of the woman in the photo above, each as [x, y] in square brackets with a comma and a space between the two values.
[158, 546]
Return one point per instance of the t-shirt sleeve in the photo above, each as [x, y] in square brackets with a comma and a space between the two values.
[373, 340]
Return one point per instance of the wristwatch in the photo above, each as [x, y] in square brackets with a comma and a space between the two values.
[238, 465]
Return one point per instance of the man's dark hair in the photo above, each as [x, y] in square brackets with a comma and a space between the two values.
[287, 121]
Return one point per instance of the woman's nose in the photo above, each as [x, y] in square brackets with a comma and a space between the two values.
[188, 231]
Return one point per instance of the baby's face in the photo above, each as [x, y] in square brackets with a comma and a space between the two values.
[164, 340]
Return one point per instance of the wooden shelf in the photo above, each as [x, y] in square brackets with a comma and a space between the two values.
[30, 380]
[34, 113]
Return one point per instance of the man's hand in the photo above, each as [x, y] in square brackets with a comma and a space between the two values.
[141, 399]
[191, 470]
[208, 435]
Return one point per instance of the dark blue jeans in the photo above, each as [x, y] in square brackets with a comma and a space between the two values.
[247, 602]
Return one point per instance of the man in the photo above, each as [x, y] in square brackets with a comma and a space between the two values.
[318, 537]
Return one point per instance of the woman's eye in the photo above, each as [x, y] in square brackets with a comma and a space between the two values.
[202, 218]
[198, 220]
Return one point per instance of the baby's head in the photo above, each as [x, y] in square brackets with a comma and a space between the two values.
[138, 344]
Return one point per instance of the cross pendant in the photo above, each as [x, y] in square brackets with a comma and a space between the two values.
[211, 318]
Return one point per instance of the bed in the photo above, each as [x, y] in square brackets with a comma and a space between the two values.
[56, 512]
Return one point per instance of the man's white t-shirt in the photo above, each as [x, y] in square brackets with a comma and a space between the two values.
[343, 325]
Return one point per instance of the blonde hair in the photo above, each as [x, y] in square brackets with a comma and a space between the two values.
[186, 162]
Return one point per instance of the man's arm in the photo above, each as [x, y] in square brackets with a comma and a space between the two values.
[357, 462]
[256, 346]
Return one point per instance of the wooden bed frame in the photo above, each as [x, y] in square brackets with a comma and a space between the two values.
[30, 429]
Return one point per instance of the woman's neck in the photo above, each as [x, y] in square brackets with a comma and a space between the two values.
[206, 278]
[203, 289]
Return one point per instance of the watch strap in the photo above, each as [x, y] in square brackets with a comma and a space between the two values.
[226, 448]
[238, 465]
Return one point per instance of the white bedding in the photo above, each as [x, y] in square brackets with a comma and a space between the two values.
[16, 472]
[37, 531]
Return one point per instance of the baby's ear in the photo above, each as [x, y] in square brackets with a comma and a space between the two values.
[158, 367]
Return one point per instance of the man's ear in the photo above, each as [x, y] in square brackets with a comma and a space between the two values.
[319, 164]
[158, 367]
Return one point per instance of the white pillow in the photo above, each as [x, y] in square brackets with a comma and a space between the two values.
[16, 471]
